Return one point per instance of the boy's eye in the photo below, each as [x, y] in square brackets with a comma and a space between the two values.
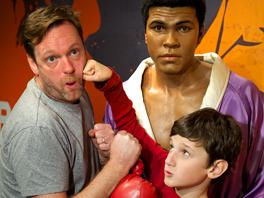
[185, 152]
[51, 59]
[171, 148]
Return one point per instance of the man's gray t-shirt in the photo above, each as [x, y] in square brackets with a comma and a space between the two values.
[45, 147]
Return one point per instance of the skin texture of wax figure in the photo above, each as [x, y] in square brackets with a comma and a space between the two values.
[175, 86]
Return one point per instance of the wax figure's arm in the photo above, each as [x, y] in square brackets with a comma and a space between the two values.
[250, 104]
[256, 170]
[124, 152]
[244, 102]
[153, 155]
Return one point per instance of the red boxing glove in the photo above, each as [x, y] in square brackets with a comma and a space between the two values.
[134, 186]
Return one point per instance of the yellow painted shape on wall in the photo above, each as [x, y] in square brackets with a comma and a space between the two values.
[242, 18]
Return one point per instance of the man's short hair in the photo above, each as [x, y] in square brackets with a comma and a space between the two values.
[219, 134]
[199, 6]
[38, 23]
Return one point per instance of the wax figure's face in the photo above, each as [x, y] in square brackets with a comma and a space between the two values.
[172, 35]
[186, 165]
[60, 57]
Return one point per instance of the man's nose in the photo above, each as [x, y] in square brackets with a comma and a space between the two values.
[68, 67]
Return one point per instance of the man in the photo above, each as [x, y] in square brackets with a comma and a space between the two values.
[45, 147]
[174, 82]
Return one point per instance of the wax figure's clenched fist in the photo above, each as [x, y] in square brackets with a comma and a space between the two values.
[134, 186]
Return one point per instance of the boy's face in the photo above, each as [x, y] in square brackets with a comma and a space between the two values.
[185, 166]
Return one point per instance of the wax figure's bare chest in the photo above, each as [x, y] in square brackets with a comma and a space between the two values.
[164, 109]
[166, 102]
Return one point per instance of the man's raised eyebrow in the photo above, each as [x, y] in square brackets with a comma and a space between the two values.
[44, 52]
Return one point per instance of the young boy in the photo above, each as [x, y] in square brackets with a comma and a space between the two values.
[204, 144]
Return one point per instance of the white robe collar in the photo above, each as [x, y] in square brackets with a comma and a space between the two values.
[212, 98]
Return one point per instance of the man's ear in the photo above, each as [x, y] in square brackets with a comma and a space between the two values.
[200, 36]
[33, 65]
[217, 169]
[146, 39]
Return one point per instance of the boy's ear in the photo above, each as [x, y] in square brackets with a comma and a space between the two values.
[33, 65]
[217, 169]
[146, 39]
